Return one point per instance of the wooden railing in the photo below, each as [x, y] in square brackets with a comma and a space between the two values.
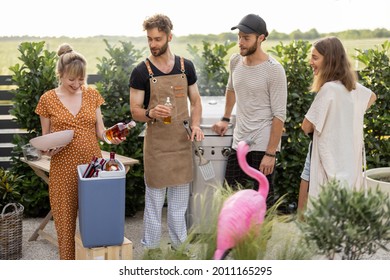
[8, 126]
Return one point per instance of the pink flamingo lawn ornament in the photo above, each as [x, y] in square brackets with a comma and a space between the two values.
[243, 209]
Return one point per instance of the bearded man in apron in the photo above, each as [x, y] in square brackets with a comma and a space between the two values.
[167, 148]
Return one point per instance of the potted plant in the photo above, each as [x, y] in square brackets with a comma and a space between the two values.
[347, 224]
[11, 215]
[379, 177]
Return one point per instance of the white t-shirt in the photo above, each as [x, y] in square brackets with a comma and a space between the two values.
[261, 95]
[338, 116]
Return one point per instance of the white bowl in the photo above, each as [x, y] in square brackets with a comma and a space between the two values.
[52, 140]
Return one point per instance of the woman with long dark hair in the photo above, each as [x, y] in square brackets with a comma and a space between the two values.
[336, 117]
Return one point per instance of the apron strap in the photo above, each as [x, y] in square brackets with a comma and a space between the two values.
[151, 74]
[183, 70]
[147, 63]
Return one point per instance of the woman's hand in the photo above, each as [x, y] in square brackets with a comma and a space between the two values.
[117, 140]
[52, 152]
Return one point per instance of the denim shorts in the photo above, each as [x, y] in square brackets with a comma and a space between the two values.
[305, 175]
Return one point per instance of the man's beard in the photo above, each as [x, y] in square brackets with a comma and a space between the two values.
[251, 50]
[160, 51]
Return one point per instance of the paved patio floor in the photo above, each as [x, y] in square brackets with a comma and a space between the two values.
[42, 249]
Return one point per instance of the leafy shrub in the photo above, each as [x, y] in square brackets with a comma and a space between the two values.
[291, 159]
[347, 222]
[33, 77]
[115, 72]
[376, 76]
[211, 67]
[9, 188]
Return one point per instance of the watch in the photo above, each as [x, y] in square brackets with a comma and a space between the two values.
[147, 114]
[269, 155]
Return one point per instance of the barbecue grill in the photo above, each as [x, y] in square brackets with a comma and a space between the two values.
[216, 149]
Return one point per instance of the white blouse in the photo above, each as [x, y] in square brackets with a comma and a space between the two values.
[337, 116]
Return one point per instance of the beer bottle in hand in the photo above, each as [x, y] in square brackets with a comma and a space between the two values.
[168, 119]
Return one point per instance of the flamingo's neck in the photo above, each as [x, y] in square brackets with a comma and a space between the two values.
[260, 177]
[252, 172]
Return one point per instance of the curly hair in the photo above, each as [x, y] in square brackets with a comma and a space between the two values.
[162, 22]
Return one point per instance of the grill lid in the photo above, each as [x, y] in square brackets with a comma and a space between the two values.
[213, 108]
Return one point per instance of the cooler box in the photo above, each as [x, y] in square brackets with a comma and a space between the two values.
[102, 207]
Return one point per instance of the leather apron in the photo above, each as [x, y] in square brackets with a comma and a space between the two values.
[167, 150]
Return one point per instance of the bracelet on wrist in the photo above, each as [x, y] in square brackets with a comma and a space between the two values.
[269, 155]
[225, 119]
[147, 112]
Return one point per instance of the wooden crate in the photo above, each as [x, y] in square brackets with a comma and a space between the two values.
[120, 252]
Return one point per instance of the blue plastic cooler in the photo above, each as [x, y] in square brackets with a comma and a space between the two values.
[102, 207]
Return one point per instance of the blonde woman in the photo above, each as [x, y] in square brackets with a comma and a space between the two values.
[74, 106]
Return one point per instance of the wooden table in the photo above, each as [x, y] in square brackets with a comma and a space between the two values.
[42, 169]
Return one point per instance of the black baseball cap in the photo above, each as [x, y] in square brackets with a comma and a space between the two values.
[252, 24]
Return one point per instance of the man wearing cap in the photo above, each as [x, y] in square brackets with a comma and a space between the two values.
[257, 85]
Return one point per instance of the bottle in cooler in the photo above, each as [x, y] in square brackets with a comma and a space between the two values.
[112, 164]
[90, 167]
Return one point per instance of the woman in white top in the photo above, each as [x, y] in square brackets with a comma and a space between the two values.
[335, 117]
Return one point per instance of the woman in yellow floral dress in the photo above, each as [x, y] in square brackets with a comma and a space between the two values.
[74, 106]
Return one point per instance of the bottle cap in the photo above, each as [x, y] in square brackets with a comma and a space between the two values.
[131, 124]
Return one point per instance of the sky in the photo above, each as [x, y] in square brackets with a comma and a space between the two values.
[84, 18]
